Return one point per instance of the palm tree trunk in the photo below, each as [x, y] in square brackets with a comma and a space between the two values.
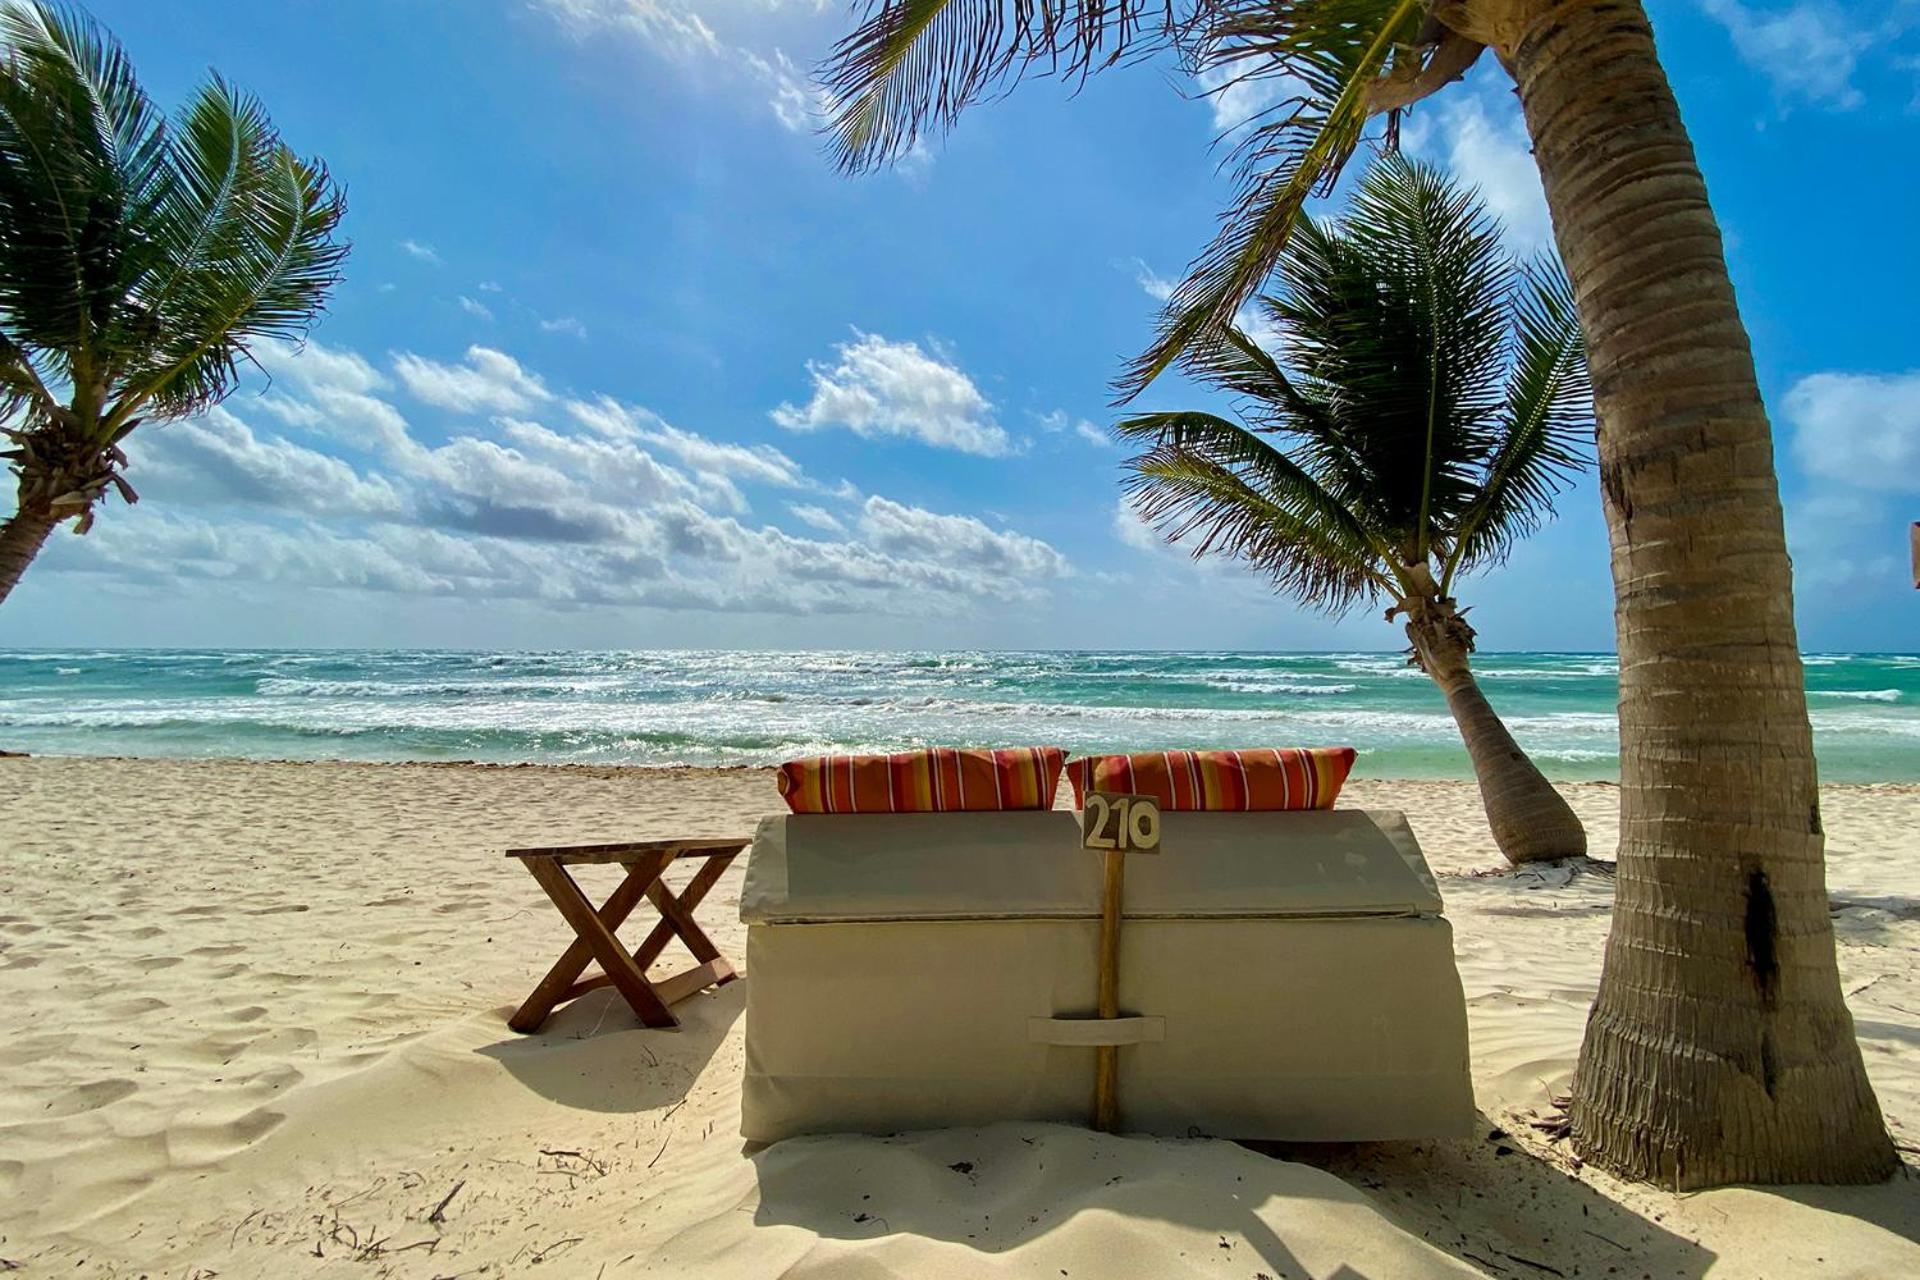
[21, 538]
[1531, 821]
[1719, 1048]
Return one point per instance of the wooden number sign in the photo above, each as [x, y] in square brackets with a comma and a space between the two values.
[1121, 823]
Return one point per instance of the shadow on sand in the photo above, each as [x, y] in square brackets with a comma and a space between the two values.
[594, 1055]
[1893, 1206]
[1011, 1186]
[1494, 1205]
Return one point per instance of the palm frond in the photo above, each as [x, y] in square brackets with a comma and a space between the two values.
[81, 153]
[1546, 426]
[1230, 491]
[915, 64]
[248, 252]
[1431, 400]
[1334, 51]
[1431, 296]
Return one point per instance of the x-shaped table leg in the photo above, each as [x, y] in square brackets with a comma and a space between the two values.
[595, 930]
[595, 940]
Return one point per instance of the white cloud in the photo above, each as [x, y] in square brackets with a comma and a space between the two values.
[1237, 98]
[1060, 421]
[610, 506]
[880, 388]
[757, 464]
[1484, 142]
[1856, 436]
[489, 380]
[478, 310]
[1858, 429]
[1151, 282]
[489, 286]
[684, 32]
[959, 540]
[425, 252]
[1092, 434]
[1132, 530]
[218, 459]
[568, 325]
[339, 401]
[314, 363]
[796, 103]
[1809, 49]
[818, 517]
[1846, 544]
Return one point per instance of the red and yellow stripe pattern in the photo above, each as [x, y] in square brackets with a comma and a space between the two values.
[937, 780]
[1212, 781]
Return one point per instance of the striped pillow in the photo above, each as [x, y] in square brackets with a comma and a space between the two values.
[937, 780]
[1268, 779]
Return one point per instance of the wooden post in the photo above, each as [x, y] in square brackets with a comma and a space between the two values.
[1115, 824]
[1913, 540]
[1106, 1063]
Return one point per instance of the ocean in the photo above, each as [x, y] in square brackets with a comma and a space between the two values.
[750, 708]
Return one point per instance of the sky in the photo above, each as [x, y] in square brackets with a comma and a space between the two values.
[619, 359]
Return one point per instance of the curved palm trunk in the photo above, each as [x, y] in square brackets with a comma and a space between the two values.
[21, 538]
[1531, 821]
[1719, 1048]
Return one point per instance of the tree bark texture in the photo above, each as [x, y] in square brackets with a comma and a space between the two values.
[1719, 1048]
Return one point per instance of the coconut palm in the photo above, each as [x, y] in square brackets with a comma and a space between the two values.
[1719, 1048]
[1433, 400]
[138, 261]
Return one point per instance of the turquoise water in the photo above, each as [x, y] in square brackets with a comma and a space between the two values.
[701, 708]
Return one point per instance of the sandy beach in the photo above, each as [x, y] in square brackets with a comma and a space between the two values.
[256, 1025]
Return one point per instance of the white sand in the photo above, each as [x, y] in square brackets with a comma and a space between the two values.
[255, 1026]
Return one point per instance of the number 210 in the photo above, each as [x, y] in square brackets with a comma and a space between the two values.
[1122, 823]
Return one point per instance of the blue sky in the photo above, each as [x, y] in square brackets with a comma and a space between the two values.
[620, 360]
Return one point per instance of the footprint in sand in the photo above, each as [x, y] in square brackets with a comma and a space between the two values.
[133, 1008]
[90, 1097]
[146, 931]
[277, 911]
[252, 1013]
[224, 949]
[150, 963]
[33, 1048]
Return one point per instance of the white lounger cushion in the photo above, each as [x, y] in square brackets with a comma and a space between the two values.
[965, 866]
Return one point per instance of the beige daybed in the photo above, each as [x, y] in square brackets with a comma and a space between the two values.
[1291, 976]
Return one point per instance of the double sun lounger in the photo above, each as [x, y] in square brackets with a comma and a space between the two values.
[1281, 975]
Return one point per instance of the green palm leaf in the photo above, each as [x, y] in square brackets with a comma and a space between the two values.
[1210, 480]
[139, 259]
[1335, 51]
[1545, 425]
[1432, 399]
[917, 62]
[247, 236]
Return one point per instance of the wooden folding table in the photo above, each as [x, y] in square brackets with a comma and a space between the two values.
[596, 930]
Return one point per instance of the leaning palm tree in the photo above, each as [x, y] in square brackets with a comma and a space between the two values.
[138, 261]
[1719, 1048]
[1433, 400]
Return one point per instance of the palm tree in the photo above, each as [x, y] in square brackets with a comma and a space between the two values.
[1719, 1048]
[1435, 399]
[138, 262]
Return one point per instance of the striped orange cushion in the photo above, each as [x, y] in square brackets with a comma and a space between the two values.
[938, 780]
[1268, 779]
